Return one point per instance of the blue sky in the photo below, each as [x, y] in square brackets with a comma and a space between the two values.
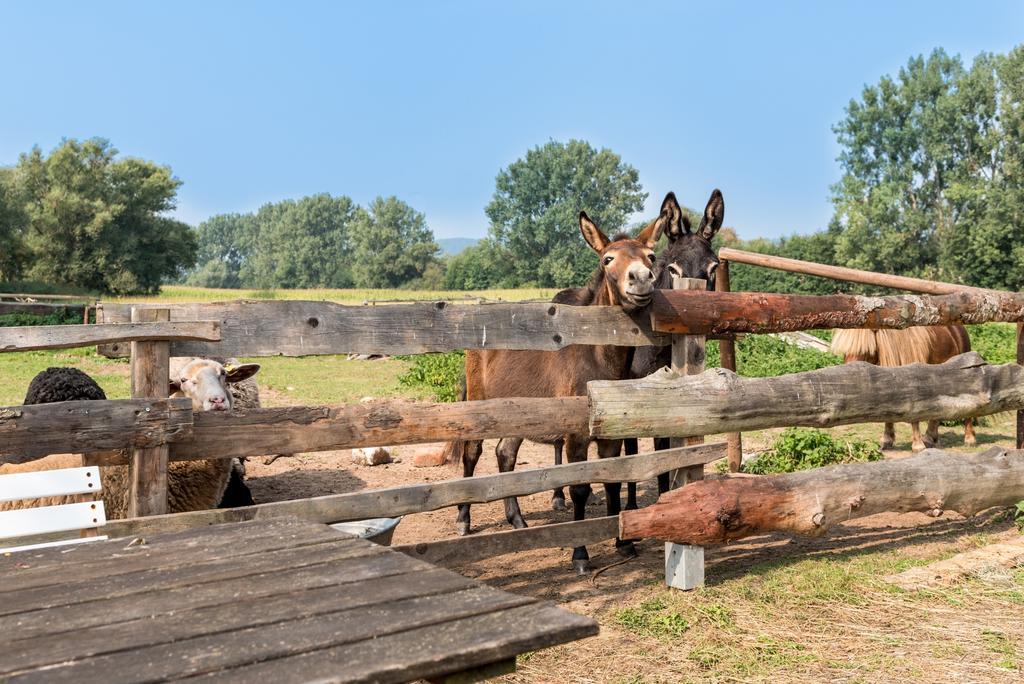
[257, 102]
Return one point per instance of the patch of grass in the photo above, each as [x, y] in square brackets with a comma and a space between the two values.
[1000, 644]
[439, 374]
[761, 356]
[652, 618]
[18, 368]
[803, 449]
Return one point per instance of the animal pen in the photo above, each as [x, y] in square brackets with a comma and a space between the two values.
[682, 403]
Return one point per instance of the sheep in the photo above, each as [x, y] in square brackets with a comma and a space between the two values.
[191, 485]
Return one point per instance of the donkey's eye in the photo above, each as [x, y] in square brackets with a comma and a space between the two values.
[651, 256]
[608, 260]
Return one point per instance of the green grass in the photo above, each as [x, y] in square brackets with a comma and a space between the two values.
[761, 356]
[800, 448]
[18, 369]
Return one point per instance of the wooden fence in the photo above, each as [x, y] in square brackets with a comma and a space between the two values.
[148, 430]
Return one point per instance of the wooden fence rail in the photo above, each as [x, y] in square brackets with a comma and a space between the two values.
[30, 432]
[697, 313]
[32, 337]
[431, 496]
[719, 401]
[296, 328]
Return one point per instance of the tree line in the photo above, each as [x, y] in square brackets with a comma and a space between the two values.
[932, 186]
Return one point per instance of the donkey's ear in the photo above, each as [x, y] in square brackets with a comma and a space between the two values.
[592, 234]
[649, 236]
[674, 219]
[714, 213]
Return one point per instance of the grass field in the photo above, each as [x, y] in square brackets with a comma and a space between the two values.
[181, 293]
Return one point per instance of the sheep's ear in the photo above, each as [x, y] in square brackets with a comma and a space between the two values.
[242, 371]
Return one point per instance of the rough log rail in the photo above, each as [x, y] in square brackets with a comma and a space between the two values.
[431, 496]
[852, 275]
[296, 328]
[698, 313]
[717, 401]
[810, 502]
[30, 432]
[31, 337]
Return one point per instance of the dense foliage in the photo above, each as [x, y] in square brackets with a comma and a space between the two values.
[82, 217]
[440, 373]
[534, 216]
[805, 448]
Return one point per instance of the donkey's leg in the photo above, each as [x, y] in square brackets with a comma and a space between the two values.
[470, 456]
[632, 447]
[916, 443]
[969, 438]
[576, 451]
[558, 497]
[507, 450]
[931, 435]
[888, 436]
[610, 448]
[661, 443]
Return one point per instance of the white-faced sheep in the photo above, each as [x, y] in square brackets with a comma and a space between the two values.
[191, 485]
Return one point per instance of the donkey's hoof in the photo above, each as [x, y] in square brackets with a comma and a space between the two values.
[917, 447]
[463, 528]
[558, 504]
[625, 549]
[518, 523]
[970, 441]
[886, 445]
[582, 566]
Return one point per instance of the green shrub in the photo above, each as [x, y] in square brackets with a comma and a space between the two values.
[996, 342]
[761, 356]
[804, 448]
[58, 317]
[440, 373]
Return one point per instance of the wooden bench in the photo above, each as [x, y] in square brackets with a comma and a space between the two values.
[52, 522]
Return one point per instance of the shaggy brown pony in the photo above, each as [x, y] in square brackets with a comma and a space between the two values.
[921, 344]
[624, 278]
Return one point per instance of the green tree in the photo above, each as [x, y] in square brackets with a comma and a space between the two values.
[537, 200]
[932, 182]
[391, 244]
[297, 244]
[225, 242]
[479, 267]
[14, 255]
[98, 222]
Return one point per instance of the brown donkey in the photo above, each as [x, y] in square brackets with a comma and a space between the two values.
[624, 278]
[920, 344]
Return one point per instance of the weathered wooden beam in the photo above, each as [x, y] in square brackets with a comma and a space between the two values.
[727, 360]
[147, 484]
[1020, 361]
[810, 502]
[31, 432]
[37, 309]
[296, 429]
[852, 275]
[694, 313]
[462, 550]
[717, 401]
[688, 353]
[431, 496]
[30, 337]
[295, 328]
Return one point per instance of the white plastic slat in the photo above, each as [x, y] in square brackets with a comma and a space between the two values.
[48, 519]
[40, 483]
[47, 545]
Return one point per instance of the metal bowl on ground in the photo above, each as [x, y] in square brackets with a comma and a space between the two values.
[377, 530]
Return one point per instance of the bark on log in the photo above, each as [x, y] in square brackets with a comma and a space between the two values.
[717, 401]
[695, 313]
[810, 502]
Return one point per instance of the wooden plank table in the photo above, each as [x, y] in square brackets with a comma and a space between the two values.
[277, 601]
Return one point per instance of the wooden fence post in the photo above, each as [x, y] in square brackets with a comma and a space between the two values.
[150, 376]
[684, 563]
[727, 354]
[1020, 360]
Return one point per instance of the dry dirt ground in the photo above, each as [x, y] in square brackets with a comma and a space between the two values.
[775, 608]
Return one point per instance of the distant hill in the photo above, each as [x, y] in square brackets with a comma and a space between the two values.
[452, 246]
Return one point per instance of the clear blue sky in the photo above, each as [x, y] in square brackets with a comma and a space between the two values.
[256, 102]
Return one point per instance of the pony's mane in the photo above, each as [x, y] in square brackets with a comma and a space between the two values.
[887, 347]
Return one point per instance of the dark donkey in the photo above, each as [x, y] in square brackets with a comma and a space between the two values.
[624, 278]
[688, 255]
